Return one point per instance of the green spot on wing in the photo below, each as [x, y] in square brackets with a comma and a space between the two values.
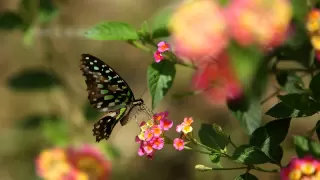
[96, 68]
[108, 97]
[101, 86]
[105, 92]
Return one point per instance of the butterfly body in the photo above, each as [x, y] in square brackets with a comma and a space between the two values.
[108, 93]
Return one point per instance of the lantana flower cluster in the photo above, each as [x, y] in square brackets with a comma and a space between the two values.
[306, 168]
[313, 27]
[72, 163]
[151, 137]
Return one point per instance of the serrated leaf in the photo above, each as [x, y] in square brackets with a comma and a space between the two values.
[306, 146]
[301, 102]
[246, 176]
[47, 11]
[160, 79]
[268, 138]
[112, 31]
[160, 22]
[10, 20]
[314, 86]
[33, 79]
[280, 110]
[212, 136]
[290, 82]
[251, 118]
[247, 154]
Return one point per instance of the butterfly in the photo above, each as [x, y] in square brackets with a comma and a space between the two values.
[108, 93]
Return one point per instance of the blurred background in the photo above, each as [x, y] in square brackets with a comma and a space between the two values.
[41, 86]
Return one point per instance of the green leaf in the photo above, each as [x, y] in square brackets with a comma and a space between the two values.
[314, 86]
[160, 22]
[10, 20]
[212, 136]
[47, 11]
[33, 79]
[112, 31]
[268, 138]
[280, 110]
[271, 134]
[300, 10]
[215, 158]
[251, 118]
[160, 79]
[301, 102]
[56, 131]
[290, 82]
[247, 154]
[246, 176]
[245, 61]
[306, 146]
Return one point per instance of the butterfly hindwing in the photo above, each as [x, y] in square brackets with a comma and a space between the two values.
[107, 91]
[102, 129]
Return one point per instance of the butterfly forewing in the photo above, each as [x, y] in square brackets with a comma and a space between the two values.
[107, 91]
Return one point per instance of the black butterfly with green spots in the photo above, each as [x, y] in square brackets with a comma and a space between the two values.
[109, 93]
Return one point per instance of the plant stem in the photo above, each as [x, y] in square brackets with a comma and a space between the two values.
[223, 169]
[197, 150]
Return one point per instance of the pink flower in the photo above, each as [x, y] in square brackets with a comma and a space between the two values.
[185, 126]
[158, 143]
[157, 56]
[198, 29]
[157, 130]
[166, 124]
[160, 116]
[257, 21]
[217, 81]
[301, 168]
[163, 46]
[178, 144]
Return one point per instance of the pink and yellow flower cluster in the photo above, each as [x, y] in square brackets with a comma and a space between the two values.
[151, 137]
[82, 163]
[313, 27]
[204, 28]
[306, 168]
